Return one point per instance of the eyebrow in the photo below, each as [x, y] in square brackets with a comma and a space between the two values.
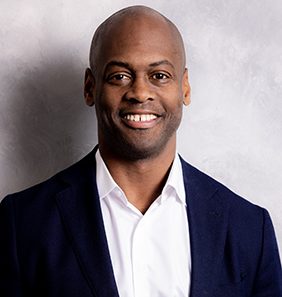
[117, 63]
[127, 65]
[162, 62]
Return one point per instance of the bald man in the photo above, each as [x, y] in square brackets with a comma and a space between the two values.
[133, 219]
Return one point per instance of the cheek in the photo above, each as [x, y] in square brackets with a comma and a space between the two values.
[107, 110]
[107, 100]
[174, 100]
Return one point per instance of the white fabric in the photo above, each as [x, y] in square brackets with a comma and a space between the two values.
[150, 253]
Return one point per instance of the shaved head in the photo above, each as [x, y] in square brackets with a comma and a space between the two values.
[134, 17]
[137, 61]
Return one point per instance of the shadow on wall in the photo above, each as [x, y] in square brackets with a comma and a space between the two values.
[50, 127]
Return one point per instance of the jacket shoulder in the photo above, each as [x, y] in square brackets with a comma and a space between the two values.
[72, 174]
[230, 199]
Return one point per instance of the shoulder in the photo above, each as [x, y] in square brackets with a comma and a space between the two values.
[74, 175]
[247, 225]
[238, 207]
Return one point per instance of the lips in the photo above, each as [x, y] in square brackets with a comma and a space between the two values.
[140, 120]
[140, 117]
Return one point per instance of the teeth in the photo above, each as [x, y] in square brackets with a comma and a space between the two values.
[140, 117]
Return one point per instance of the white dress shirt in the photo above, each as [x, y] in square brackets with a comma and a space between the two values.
[150, 253]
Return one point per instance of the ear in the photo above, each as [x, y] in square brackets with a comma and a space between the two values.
[89, 86]
[186, 89]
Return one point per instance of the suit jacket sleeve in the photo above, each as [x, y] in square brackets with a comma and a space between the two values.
[10, 284]
[269, 275]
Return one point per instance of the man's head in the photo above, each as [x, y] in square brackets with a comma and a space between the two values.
[138, 83]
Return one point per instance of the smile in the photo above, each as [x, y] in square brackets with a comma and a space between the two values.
[140, 120]
[140, 117]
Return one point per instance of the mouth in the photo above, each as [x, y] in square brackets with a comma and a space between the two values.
[140, 117]
[140, 120]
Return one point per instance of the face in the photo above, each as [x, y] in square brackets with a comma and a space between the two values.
[138, 86]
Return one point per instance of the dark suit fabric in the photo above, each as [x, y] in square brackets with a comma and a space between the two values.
[53, 242]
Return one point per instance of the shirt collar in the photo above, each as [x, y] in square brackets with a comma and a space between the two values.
[175, 181]
[106, 184]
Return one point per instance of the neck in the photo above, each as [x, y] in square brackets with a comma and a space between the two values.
[143, 180]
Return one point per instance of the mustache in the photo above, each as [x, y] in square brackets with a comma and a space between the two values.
[142, 108]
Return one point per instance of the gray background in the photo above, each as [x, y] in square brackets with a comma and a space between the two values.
[232, 130]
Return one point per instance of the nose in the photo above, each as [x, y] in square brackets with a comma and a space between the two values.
[140, 90]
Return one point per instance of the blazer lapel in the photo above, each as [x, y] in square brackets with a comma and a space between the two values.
[80, 210]
[207, 216]
[79, 206]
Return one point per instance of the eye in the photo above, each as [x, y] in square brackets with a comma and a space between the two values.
[118, 78]
[161, 77]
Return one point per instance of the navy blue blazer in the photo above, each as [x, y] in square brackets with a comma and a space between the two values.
[53, 242]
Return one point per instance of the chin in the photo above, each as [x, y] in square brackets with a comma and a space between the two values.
[138, 146]
[139, 151]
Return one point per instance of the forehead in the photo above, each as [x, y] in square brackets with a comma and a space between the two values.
[140, 39]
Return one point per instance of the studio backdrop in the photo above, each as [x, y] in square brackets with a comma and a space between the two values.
[232, 130]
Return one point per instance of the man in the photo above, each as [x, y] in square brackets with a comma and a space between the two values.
[132, 218]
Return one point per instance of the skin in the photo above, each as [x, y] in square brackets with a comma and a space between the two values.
[137, 71]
